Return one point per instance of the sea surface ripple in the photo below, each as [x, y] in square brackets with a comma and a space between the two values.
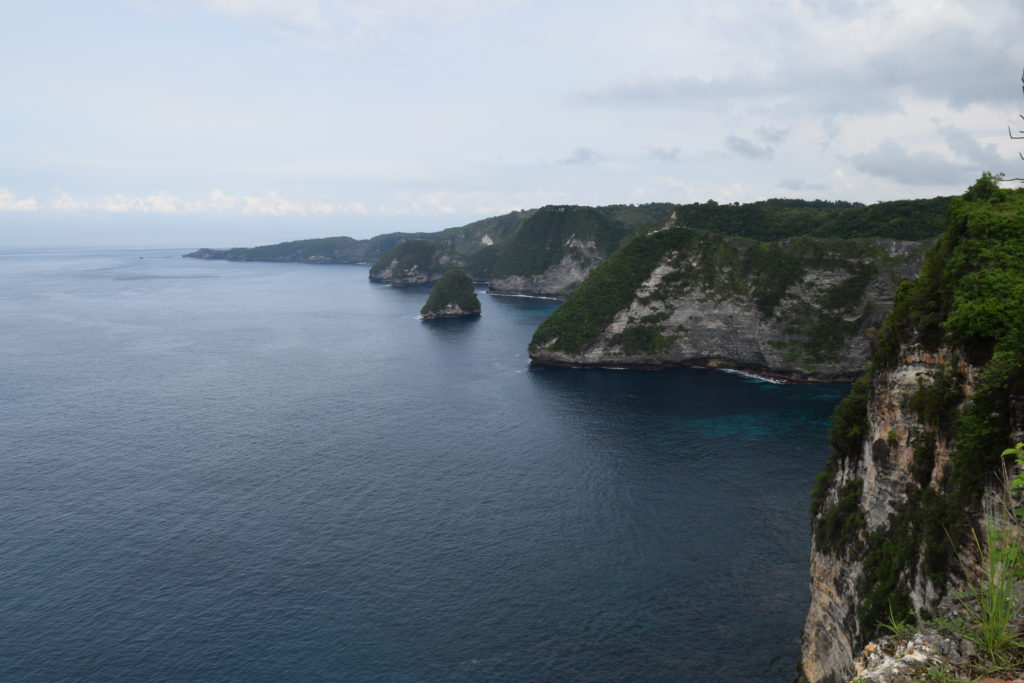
[264, 472]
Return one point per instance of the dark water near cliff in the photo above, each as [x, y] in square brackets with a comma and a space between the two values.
[225, 471]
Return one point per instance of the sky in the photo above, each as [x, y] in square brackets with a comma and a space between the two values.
[218, 123]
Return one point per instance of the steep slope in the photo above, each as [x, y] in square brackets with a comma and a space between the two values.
[799, 307]
[555, 250]
[917, 442]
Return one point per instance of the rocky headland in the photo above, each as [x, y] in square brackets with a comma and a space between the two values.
[800, 308]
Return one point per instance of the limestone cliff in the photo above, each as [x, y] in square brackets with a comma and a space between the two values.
[416, 262]
[557, 248]
[800, 307]
[917, 443]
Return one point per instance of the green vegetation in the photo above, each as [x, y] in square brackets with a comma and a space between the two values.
[327, 248]
[840, 525]
[453, 289]
[608, 290]
[408, 258]
[775, 219]
[999, 597]
[967, 298]
[549, 234]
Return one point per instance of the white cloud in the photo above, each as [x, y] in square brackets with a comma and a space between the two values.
[274, 204]
[165, 203]
[9, 202]
[330, 23]
[479, 203]
[893, 161]
[66, 202]
[301, 19]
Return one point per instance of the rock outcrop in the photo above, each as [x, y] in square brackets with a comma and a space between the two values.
[452, 297]
[799, 308]
[916, 445]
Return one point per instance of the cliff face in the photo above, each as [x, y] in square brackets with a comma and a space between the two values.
[800, 307]
[579, 258]
[888, 478]
[416, 262]
[916, 444]
[556, 249]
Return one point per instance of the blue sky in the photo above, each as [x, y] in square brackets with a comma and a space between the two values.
[237, 122]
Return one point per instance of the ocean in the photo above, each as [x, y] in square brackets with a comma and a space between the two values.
[216, 471]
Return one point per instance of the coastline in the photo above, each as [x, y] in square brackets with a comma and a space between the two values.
[766, 374]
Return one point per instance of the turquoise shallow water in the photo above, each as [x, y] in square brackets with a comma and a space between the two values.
[246, 471]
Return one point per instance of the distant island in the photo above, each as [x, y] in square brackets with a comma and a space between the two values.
[453, 296]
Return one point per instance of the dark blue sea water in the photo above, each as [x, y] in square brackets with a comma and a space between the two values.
[265, 472]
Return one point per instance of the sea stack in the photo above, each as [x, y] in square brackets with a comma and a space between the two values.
[453, 296]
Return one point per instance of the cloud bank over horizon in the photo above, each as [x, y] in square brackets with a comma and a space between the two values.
[445, 110]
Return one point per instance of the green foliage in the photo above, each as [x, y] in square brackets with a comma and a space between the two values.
[884, 561]
[414, 255]
[642, 339]
[454, 288]
[937, 400]
[327, 249]
[1018, 451]
[775, 219]
[772, 270]
[984, 187]
[924, 457]
[900, 626]
[545, 239]
[937, 674]
[838, 528]
[969, 289]
[984, 424]
[999, 596]
[480, 264]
